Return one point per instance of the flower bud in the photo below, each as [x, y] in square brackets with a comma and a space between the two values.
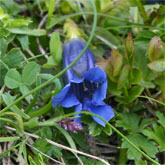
[71, 51]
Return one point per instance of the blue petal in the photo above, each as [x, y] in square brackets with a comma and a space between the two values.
[100, 93]
[60, 96]
[78, 108]
[95, 75]
[102, 109]
[70, 100]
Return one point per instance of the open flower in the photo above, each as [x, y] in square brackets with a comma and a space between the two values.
[86, 84]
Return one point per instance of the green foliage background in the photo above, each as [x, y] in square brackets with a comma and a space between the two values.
[128, 43]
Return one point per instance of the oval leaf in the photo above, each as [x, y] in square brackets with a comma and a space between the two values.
[158, 66]
[13, 79]
[29, 73]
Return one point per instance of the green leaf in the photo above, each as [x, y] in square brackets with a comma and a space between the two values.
[134, 93]
[18, 22]
[33, 122]
[157, 134]
[123, 79]
[136, 76]
[140, 141]
[129, 46]
[50, 11]
[8, 99]
[12, 60]
[147, 84]
[160, 80]
[24, 40]
[30, 72]
[46, 132]
[112, 88]
[24, 90]
[95, 129]
[140, 162]
[140, 58]
[161, 118]
[13, 79]
[3, 47]
[50, 63]
[158, 66]
[27, 31]
[55, 47]
[66, 134]
[107, 130]
[156, 49]
[8, 139]
[56, 151]
[131, 122]
[20, 123]
[117, 62]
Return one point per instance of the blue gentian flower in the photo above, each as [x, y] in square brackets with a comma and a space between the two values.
[86, 84]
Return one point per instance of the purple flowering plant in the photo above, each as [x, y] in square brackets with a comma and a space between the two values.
[86, 84]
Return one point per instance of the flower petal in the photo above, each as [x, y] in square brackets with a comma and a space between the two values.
[70, 100]
[60, 96]
[100, 92]
[95, 75]
[78, 108]
[102, 109]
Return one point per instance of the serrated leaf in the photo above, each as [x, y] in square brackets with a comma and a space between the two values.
[13, 79]
[140, 141]
[157, 134]
[46, 132]
[131, 122]
[161, 118]
[30, 72]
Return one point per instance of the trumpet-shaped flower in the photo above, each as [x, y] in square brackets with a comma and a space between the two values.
[86, 84]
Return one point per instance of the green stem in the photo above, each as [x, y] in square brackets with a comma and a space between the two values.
[104, 15]
[150, 98]
[63, 71]
[37, 56]
[51, 123]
